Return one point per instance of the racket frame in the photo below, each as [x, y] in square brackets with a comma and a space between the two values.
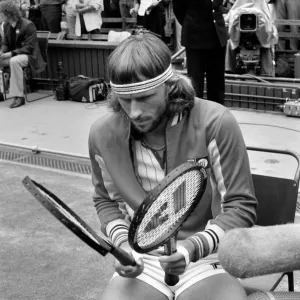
[153, 195]
[100, 245]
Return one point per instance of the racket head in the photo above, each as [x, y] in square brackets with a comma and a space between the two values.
[67, 216]
[167, 206]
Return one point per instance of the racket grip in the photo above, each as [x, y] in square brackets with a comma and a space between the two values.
[171, 279]
[170, 248]
[123, 257]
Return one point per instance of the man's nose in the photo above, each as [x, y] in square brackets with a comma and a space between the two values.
[135, 109]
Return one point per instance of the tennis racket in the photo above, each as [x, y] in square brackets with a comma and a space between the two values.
[73, 222]
[159, 218]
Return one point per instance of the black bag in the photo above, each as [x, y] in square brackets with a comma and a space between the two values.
[86, 89]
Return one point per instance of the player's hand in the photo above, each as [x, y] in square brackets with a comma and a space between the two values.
[174, 264]
[6, 55]
[129, 271]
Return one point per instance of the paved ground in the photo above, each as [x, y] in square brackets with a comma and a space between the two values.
[40, 259]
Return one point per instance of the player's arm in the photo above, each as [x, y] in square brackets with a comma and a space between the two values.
[235, 205]
[108, 203]
[231, 168]
[111, 211]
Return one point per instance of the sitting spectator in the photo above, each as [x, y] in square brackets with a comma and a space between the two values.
[151, 15]
[19, 49]
[88, 18]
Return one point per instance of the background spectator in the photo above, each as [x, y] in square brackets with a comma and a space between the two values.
[19, 49]
[151, 15]
[35, 14]
[70, 9]
[111, 10]
[288, 9]
[125, 7]
[204, 36]
[51, 14]
[88, 19]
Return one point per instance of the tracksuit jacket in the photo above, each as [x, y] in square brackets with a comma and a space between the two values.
[207, 130]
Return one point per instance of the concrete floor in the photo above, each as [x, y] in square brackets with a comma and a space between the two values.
[42, 260]
[63, 126]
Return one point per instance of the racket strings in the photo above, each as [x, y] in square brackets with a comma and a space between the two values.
[169, 207]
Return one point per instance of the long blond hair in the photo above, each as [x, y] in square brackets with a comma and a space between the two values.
[142, 57]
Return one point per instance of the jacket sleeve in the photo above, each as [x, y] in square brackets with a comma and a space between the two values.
[4, 46]
[234, 203]
[179, 8]
[110, 207]
[29, 42]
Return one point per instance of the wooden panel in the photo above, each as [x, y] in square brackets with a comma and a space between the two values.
[269, 93]
[228, 97]
[236, 98]
[252, 100]
[244, 100]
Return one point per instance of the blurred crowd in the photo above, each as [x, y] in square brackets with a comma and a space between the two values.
[85, 16]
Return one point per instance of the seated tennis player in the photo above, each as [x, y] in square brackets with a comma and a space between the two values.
[156, 124]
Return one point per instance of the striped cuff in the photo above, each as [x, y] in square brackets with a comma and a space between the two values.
[206, 242]
[117, 231]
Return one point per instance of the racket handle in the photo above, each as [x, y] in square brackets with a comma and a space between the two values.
[171, 279]
[170, 248]
[123, 257]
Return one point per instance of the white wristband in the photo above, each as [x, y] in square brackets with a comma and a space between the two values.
[185, 253]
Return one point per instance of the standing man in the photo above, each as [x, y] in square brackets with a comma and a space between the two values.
[51, 14]
[19, 49]
[204, 36]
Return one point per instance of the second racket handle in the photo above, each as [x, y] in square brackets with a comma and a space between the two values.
[123, 257]
[170, 248]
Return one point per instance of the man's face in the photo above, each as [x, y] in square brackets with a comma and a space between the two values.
[146, 109]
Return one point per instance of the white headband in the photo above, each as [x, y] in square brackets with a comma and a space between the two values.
[138, 87]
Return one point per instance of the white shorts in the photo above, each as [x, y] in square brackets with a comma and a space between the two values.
[154, 275]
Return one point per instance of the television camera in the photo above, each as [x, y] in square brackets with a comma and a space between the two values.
[248, 52]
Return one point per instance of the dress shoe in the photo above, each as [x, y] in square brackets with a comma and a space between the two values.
[18, 101]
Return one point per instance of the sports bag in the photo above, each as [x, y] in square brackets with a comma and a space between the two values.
[86, 89]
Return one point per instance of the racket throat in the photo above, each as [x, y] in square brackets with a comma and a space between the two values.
[170, 246]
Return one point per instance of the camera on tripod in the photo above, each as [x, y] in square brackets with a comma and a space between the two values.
[248, 58]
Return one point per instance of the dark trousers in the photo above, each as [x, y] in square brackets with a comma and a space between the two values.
[211, 62]
[51, 17]
[154, 22]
